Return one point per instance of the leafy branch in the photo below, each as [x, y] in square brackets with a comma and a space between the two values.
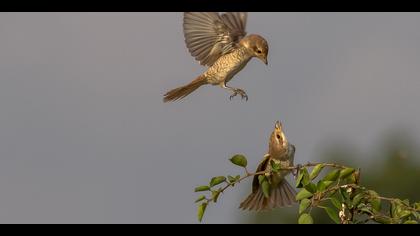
[338, 193]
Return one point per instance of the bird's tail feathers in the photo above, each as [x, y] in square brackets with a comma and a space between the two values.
[183, 91]
[281, 196]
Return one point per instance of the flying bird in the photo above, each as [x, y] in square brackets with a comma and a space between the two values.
[221, 43]
[281, 193]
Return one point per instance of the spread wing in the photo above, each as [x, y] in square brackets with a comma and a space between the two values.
[262, 166]
[209, 35]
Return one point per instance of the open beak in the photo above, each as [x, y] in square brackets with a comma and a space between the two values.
[278, 125]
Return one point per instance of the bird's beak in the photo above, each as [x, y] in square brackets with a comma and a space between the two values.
[278, 125]
[264, 59]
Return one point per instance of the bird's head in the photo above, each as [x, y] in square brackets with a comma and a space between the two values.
[257, 45]
[278, 141]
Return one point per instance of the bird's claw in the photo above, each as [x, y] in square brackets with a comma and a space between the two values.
[240, 92]
[233, 95]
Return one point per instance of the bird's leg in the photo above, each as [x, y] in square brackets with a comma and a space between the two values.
[235, 91]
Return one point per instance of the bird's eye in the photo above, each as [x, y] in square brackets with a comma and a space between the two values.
[259, 51]
[278, 136]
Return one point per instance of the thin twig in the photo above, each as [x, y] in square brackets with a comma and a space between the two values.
[398, 200]
[248, 174]
[323, 193]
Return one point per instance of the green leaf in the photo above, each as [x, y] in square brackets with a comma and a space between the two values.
[299, 179]
[374, 200]
[302, 194]
[316, 170]
[261, 178]
[275, 167]
[202, 188]
[344, 173]
[215, 194]
[352, 179]
[304, 204]
[333, 214]
[322, 185]
[355, 177]
[305, 219]
[416, 214]
[398, 210]
[372, 193]
[303, 178]
[217, 180]
[200, 198]
[311, 187]
[332, 176]
[405, 213]
[201, 209]
[417, 205]
[266, 189]
[345, 197]
[366, 210]
[357, 199]
[231, 179]
[382, 219]
[410, 222]
[376, 204]
[239, 160]
[393, 209]
[335, 202]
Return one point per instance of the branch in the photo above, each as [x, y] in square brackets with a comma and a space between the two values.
[356, 201]
[297, 167]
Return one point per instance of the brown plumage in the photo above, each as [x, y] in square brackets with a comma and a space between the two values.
[183, 91]
[219, 42]
[281, 193]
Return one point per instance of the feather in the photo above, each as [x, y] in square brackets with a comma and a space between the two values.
[208, 35]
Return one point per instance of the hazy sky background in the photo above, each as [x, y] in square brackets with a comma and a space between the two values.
[86, 138]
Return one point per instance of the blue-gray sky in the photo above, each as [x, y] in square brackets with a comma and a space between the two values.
[86, 138]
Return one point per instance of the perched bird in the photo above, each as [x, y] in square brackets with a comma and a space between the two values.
[281, 193]
[221, 43]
